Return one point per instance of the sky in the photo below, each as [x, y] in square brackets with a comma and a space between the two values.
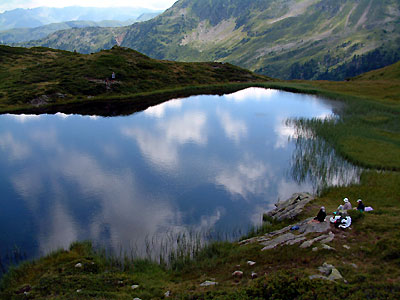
[154, 4]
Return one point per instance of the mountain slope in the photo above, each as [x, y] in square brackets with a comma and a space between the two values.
[388, 73]
[305, 39]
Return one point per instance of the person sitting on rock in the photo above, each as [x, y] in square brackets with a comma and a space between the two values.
[360, 206]
[320, 216]
[347, 204]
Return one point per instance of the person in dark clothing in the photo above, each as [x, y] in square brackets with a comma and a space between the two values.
[321, 215]
[360, 205]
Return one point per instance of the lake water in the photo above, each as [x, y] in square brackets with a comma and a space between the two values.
[204, 163]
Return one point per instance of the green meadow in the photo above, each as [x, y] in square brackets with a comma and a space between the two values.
[367, 133]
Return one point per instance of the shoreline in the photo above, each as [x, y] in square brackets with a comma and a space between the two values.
[117, 105]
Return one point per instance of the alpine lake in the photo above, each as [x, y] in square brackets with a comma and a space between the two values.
[206, 166]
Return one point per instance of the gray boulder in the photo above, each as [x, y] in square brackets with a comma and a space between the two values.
[291, 207]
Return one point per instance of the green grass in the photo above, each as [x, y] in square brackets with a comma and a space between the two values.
[27, 74]
[367, 133]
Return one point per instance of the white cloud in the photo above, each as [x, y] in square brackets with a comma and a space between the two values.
[153, 4]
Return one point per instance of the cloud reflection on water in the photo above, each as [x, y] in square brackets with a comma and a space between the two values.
[246, 177]
[158, 111]
[252, 94]
[14, 149]
[23, 117]
[234, 129]
[161, 144]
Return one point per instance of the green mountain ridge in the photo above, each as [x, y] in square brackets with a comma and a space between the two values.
[303, 39]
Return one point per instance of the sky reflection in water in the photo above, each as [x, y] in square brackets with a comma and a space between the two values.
[205, 162]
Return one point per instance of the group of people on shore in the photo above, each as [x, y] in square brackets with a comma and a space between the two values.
[341, 219]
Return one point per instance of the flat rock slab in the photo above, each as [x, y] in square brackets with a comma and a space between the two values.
[291, 207]
[284, 239]
[314, 227]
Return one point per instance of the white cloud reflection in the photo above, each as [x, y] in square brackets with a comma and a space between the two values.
[23, 118]
[247, 177]
[161, 146]
[12, 148]
[60, 232]
[234, 129]
[158, 111]
[252, 93]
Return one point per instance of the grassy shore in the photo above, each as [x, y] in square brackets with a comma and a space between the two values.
[367, 134]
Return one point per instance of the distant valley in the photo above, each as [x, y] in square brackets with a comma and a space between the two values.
[36, 17]
[23, 24]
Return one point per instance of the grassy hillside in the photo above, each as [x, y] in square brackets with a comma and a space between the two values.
[41, 76]
[367, 256]
[290, 39]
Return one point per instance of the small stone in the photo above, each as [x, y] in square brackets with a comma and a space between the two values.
[167, 294]
[335, 275]
[346, 247]
[137, 298]
[251, 263]
[78, 291]
[254, 275]
[315, 249]
[208, 283]
[354, 265]
[26, 293]
[237, 274]
[331, 272]
[135, 286]
[326, 247]
[78, 265]
[329, 239]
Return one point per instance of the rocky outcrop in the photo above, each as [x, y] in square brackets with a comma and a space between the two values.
[329, 273]
[291, 207]
[288, 236]
[42, 100]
